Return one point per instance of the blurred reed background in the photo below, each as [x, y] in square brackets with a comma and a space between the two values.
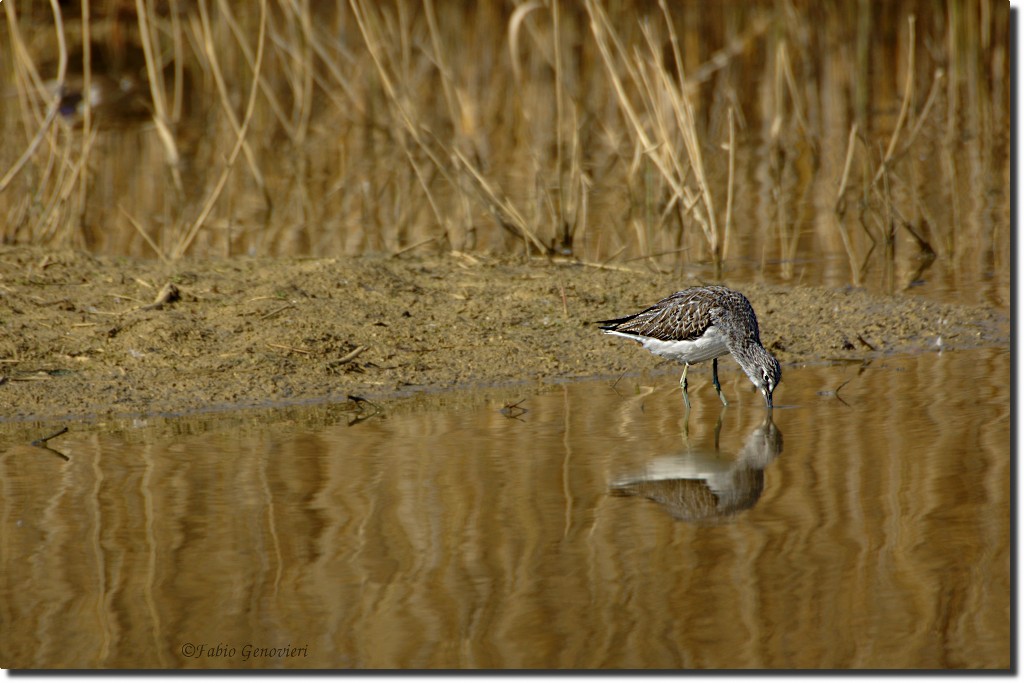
[619, 133]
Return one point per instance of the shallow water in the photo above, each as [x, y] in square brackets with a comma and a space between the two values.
[864, 528]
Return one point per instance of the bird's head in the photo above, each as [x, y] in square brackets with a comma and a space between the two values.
[763, 370]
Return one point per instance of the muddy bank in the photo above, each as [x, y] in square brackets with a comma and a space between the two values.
[82, 336]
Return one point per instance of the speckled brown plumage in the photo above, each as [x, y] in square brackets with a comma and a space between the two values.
[699, 324]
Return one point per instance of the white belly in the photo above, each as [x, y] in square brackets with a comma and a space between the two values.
[711, 345]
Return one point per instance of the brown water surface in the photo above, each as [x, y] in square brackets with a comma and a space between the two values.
[864, 528]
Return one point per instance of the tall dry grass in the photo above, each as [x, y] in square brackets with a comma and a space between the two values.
[662, 133]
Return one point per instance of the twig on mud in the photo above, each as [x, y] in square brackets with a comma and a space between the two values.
[54, 302]
[359, 401]
[616, 384]
[465, 259]
[124, 297]
[835, 392]
[274, 312]
[288, 348]
[415, 245]
[667, 252]
[168, 294]
[514, 411]
[39, 376]
[42, 443]
[608, 266]
[351, 355]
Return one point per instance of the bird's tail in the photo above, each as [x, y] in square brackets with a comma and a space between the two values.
[613, 325]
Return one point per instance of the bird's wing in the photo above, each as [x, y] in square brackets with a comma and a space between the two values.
[681, 316]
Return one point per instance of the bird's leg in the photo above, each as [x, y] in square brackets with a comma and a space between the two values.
[682, 385]
[714, 380]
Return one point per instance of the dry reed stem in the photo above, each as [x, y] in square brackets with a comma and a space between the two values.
[601, 31]
[556, 32]
[840, 205]
[74, 178]
[729, 184]
[908, 91]
[397, 163]
[33, 145]
[644, 146]
[54, 106]
[225, 97]
[777, 92]
[455, 114]
[794, 92]
[723, 57]
[923, 116]
[578, 187]
[190, 234]
[87, 137]
[179, 67]
[331, 61]
[26, 71]
[145, 236]
[500, 207]
[373, 45]
[156, 91]
[442, 67]
[665, 146]
[434, 207]
[662, 152]
[46, 175]
[641, 236]
[269, 95]
[307, 69]
[515, 22]
[503, 211]
[59, 168]
[686, 121]
[954, 20]
[889, 228]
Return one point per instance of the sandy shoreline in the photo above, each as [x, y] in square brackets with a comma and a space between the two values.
[82, 338]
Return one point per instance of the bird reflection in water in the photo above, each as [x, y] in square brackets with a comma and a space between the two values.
[702, 486]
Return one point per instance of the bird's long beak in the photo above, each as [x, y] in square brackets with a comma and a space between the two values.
[767, 398]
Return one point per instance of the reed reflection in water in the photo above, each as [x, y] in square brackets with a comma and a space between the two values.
[446, 534]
